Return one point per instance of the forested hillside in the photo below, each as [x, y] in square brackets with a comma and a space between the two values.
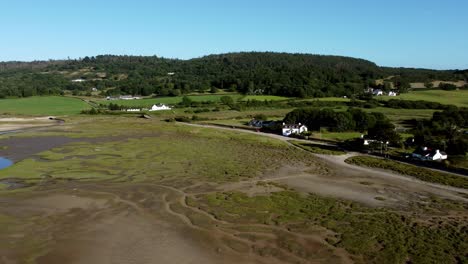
[298, 75]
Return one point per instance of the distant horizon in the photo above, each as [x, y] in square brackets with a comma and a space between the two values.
[392, 33]
[196, 57]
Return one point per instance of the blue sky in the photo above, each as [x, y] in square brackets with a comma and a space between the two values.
[411, 33]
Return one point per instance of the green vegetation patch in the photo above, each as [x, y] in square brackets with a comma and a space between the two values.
[317, 148]
[141, 150]
[410, 170]
[265, 98]
[39, 105]
[372, 235]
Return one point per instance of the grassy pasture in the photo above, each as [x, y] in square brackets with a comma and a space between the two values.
[397, 115]
[42, 105]
[265, 98]
[458, 98]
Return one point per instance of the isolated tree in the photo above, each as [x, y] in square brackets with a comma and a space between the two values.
[186, 101]
[384, 131]
[429, 85]
[227, 100]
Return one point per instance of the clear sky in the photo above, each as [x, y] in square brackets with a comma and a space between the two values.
[410, 33]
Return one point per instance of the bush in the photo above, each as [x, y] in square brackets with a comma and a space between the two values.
[447, 86]
[182, 119]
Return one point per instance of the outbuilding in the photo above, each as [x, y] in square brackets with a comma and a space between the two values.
[289, 129]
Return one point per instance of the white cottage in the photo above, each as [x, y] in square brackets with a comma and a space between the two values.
[293, 129]
[160, 107]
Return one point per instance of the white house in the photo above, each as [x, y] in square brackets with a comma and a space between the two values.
[429, 154]
[160, 107]
[78, 80]
[392, 93]
[293, 129]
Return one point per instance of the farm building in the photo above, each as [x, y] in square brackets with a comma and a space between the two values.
[160, 107]
[293, 129]
[425, 153]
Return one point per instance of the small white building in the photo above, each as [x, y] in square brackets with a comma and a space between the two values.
[78, 80]
[160, 107]
[133, 110]
[293, 129]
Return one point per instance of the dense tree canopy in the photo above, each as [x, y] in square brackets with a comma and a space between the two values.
[351, 120]
[446, 130]
[297, 75]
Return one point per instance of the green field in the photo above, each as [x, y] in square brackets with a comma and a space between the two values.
[168, 100]
[397, 115]
[458, 98]
[38, 105]
[265, 98]
[336, 136]
[330, 99]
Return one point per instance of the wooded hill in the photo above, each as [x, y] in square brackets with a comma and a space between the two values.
[298, 75]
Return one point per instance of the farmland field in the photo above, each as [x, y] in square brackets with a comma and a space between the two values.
[265, 97]
[168, 100]
[397, 115]
[42, 105]
[458, 98]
